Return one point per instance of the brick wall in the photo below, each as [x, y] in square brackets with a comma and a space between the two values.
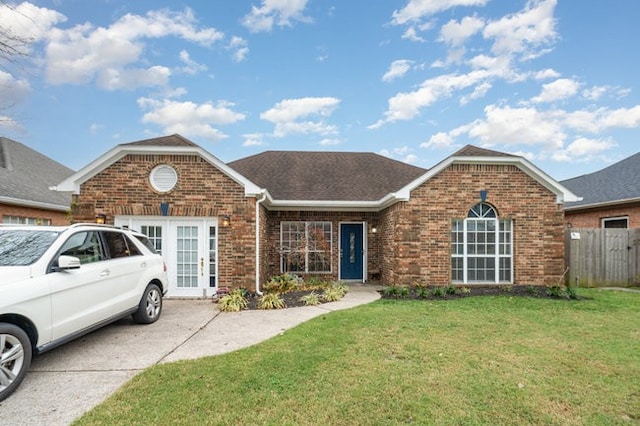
[271, 246]
[417, 241]
[202, 191]
[592, 218]
[56, 217]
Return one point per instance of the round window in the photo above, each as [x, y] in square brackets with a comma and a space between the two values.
[163, 178]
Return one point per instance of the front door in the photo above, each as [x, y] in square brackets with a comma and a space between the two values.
[189, 248]
[351, 251]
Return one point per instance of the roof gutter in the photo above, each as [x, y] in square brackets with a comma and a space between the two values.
[601, 204]
[258, 202]
[34, 204]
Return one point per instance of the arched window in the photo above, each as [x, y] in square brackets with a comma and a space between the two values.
[481, 247]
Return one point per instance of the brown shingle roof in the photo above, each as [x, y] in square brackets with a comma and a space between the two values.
[326, 176]
[474, 151]
[171, 140]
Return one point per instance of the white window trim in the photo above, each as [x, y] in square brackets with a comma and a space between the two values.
[610, 219]
[306, 248]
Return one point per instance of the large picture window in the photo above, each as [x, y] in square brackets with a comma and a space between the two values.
[481, 247]
[305, 247]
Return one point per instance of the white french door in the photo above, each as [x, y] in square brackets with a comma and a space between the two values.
[189, 248]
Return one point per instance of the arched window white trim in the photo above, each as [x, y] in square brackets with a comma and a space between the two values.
[482, 247]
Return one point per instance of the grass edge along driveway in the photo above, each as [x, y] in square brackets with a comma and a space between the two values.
[478, 360]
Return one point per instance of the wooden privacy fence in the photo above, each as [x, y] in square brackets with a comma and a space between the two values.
[598, 257]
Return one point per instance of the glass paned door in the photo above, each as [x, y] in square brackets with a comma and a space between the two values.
[187, 251]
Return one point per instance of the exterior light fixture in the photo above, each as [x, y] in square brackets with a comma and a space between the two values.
[226, 221]
[374, 228]
[101, 219]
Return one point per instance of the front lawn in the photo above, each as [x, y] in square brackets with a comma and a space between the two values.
[483, 360]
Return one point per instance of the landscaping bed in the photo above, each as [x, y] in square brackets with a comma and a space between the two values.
[457, 292]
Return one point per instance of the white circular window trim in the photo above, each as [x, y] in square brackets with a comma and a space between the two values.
[163, 178]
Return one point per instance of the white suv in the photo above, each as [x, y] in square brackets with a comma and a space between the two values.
[58, 283]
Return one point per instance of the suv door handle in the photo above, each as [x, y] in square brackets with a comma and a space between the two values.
[143, 265]
[105, 273]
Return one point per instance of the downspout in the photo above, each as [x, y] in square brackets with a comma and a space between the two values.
[258, 202]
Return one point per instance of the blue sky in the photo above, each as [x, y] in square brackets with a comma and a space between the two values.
[415, 80]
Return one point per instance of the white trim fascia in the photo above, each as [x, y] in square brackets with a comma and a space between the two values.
[73, 182]
[322, 205]
[34, 204]
[562, 194]
[603, 204]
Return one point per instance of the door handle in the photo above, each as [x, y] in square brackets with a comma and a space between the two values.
[202, 266]
[143, 265]
[105, 273]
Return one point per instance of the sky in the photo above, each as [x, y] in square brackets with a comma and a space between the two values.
[555, 81]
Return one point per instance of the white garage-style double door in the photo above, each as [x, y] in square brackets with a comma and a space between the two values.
[189, 247]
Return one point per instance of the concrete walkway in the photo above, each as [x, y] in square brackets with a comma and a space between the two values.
[70, 380]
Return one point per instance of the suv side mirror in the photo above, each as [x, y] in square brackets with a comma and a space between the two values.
[68, 262]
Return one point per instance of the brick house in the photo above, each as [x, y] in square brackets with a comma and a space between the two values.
[610, 198]
[25, 177]
[477, 217]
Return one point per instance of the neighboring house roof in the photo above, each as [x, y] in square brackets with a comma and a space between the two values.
[26, 175]
[173, 145]
[326, 176]
[617, 184]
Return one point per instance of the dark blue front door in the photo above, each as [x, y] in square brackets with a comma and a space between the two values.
[351, 251]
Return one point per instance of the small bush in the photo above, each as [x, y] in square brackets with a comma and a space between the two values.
[506, 288]
[572, 292]
[451, 289]
[439, 291]
[555, 291]
[423, 292]
[465, 290]
[271, 301]
[333, 294]
[391, 291]
[311, 299]
[234, 301]
[282, 283]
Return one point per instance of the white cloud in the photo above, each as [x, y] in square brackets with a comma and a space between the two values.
[330, 142]
[288, 115]
[412, 35]
[397, 69]
[455, 33]
[582, 149]
[415, 10]
[546, 74]
[189, 118]
[240, 48]
[560, 89]
[478, 92]
[439, 140]
[275, 12]
[524, 32]
[81, 54]
[190, 66]
[403, 153]
[12, 90]
[253, 139]
[27, 21]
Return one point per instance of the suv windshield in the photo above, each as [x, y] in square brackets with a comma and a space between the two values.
[20, 247]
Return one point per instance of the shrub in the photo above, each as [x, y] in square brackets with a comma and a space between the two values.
[465, 290]
[423, 292]
[311, 299]
[439, 291]
[572, 292]
[282, 283]
[235, 301]
[531, 290]
[451, 289]
[399, 291]
[333, 293]
[271, 301]
[506, 288]
[555, 291]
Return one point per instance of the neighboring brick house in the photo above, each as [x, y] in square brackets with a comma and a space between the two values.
[478, 217]
[25, 178]
[610, 197]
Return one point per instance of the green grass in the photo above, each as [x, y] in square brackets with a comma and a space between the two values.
[482, 360]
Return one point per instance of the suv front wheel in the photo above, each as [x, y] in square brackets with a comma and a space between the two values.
[150, 305]
[15, 358]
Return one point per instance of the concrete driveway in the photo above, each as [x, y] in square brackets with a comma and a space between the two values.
[68, 381]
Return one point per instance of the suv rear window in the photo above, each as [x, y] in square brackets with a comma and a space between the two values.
[119, 245]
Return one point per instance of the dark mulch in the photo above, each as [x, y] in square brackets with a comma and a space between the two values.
[502, 290]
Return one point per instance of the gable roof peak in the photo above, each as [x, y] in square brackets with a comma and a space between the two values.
[169, 140]
[475, 151]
